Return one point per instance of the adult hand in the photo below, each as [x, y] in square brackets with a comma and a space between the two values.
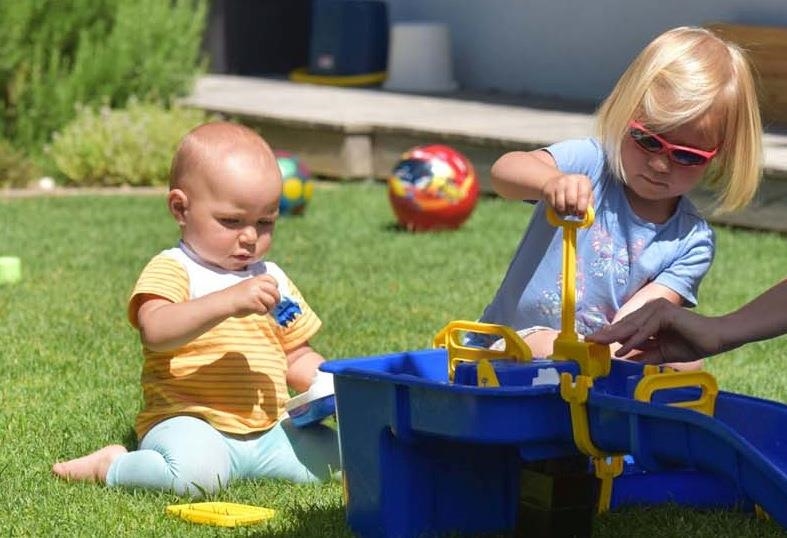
[662, 332]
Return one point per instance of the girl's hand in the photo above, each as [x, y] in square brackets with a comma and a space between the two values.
[258, 295]
[568, 194]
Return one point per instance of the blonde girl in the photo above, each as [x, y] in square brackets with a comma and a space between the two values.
[684, 113]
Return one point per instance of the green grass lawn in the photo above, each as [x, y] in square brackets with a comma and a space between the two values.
[71, 362]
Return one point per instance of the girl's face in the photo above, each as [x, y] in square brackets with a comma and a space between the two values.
[654, 181]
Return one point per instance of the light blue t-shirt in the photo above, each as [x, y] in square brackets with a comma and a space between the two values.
[618, 255]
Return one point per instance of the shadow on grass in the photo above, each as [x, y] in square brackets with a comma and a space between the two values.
[395, 227]
[130, 440]
[311, 522]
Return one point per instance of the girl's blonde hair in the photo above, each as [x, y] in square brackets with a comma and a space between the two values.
[685, 74]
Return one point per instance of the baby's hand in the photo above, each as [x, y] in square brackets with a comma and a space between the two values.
[257, 295]
[568, 194]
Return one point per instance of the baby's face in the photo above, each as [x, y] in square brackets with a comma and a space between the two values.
[232, 211]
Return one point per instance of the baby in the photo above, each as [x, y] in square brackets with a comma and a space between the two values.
[217, 361]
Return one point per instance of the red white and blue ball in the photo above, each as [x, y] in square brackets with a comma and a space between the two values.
[297, 187]
[433, 187]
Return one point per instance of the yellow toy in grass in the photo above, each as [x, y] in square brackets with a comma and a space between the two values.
[221, 514]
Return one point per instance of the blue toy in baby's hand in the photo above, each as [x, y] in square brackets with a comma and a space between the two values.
[285, 311]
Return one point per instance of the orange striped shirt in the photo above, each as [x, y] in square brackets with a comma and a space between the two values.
[233, 375]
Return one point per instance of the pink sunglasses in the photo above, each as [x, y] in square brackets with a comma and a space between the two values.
[653, 143]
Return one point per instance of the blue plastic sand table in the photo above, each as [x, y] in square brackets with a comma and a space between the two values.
[425, 454]
[471, 440]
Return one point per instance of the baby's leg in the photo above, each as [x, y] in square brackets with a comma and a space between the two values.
[90, 468]
[296, 454]
[181, 454]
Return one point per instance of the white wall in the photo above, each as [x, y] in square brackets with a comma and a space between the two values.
[573, 49]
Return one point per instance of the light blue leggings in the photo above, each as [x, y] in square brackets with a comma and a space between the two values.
[189, 457]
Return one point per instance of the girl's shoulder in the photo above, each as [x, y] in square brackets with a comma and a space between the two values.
[691, 223]
[579, 156]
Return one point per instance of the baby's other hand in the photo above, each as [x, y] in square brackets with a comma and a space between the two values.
[568, 194]
[257, 295]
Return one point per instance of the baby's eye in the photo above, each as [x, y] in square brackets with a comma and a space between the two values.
[229, 221]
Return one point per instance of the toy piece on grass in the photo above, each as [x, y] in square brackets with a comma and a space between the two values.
[221, 514]
[432, 187]
[10, 269]
[297, 187]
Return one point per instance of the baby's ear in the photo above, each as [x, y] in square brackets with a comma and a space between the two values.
[178, 203]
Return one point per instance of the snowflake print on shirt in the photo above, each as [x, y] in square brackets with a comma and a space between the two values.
[551, 302]
[611, 260]
[591, 319]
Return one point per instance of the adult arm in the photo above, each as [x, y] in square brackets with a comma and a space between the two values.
[762, 318]
[664, 331]
[647, 294]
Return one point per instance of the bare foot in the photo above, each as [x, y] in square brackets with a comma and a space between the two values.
[90, 468]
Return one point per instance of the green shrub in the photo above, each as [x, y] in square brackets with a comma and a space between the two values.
[16, 170]
[54, 54]
[131, 146]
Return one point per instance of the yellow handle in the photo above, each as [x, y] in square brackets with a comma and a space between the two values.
[594, 359]
[448, 337]
[568, 291]
[607, 469]
[555, 220]
[706, 403]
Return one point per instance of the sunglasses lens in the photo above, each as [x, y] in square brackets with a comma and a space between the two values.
[688, 158]
[645, 141]
[650, 143]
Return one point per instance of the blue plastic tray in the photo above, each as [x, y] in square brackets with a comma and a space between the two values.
[423, 455]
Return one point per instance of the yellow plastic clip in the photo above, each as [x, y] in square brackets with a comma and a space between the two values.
[607, 469]
[486, 374]
[448, 337]
[594, 359]
[608, 466]
[706, 403]
[575, 392]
